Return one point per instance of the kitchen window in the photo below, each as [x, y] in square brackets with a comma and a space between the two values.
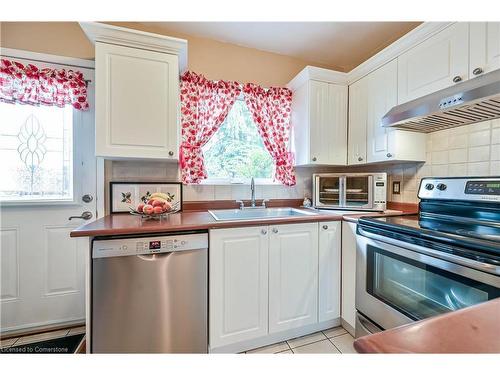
[36, 149]
[236, 153]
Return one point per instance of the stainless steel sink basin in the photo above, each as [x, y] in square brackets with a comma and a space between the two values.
[258, 213]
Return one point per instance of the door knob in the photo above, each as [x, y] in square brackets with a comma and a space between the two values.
[275, 230]
[87, 198]
[325, 227]
[171, 153]
[457, 79]
[389, 155]
[314, 158]
[477, 71]
[263, 231]
[87, 215]
[360, 158]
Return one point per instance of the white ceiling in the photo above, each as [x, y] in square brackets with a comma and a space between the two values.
[340, 45]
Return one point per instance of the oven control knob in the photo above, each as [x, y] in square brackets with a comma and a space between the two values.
[429, 186]
[441, 187]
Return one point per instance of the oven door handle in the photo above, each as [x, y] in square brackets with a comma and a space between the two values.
[484, 267]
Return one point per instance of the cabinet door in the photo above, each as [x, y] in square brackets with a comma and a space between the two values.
[348, 273]
[484, 47]
[238, 308]
[329, 270]
[293, 276]
[433, 64]
[382, 96]
[358, 111]
[137, 94]
[328, 123]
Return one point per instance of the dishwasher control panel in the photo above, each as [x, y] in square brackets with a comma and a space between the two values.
[148, 245]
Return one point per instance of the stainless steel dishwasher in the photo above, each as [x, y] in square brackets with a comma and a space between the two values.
[149, 294]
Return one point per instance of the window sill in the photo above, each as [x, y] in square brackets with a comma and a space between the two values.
[227, 182]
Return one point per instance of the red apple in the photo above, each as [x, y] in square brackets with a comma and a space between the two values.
[148, 209]
[140, 207]
[157, 203]
[151, 201]
[158, 209]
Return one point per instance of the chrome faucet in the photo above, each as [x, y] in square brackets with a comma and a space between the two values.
[252, 187]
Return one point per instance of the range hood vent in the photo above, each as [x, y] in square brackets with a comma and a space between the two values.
[468, 102]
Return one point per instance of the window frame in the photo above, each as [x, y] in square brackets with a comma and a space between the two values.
[241, 181]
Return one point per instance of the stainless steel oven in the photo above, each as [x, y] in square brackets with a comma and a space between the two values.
[398, 282]
[350, 191]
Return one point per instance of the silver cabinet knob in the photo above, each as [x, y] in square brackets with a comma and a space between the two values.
[171, 153]
[325, 227]
[314, 158]
[477, 71]
[263, 231]
[389, 155]
[457, 79]
[275, 230]
[360, 158]
[87, 215]
[87, 198]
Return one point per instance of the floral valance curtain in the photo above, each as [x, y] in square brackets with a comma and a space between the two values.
[204, 107]
[271, 110]
[28, 84]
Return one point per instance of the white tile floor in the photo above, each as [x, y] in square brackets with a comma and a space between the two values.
[335, 341]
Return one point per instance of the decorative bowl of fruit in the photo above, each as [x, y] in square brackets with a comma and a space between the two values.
[155, 206]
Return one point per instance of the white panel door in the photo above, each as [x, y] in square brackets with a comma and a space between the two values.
[137, 96]
[293, 276]
[484, 47]
[348, 273]
[328, 123]
[329, 270]
[238, 291]
[382, 96]
[435, 63]
[358, 112]
[42, 268]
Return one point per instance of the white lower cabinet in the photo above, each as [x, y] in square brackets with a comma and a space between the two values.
[272, 283]
[238, 290]
[293, 276]
[349, 274]
[329, 270]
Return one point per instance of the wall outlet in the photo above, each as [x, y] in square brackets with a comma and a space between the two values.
[396, 187]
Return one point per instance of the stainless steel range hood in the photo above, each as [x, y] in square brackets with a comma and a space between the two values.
[475, 100]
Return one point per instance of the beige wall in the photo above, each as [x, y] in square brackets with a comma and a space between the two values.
[216, 60]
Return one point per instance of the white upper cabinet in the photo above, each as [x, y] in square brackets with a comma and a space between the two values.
[319, 117]
[436, 63]
[358, 117]
[238, 285]
[484, 47]
[137, 92]
[329, 270]
[382, 96]
[293, 276]
[370, 98]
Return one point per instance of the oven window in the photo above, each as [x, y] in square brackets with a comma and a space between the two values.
[329, 191]
[418, 290]
[357, 191]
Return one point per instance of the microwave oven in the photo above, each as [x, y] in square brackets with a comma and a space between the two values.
[350, 191]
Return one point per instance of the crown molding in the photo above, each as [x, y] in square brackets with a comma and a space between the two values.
[317, 74]
[100, 32]
[403, 44]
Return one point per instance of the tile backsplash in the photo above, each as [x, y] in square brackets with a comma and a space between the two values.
[472, 150]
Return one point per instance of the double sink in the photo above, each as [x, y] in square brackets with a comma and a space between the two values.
[258, 213]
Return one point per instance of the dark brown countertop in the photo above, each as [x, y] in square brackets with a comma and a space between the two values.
[201, 220]
[475, 329]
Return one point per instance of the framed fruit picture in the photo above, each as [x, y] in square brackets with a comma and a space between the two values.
[126, 195]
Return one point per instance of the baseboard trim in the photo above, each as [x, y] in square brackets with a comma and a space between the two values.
[349, 328]
[275, 337]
